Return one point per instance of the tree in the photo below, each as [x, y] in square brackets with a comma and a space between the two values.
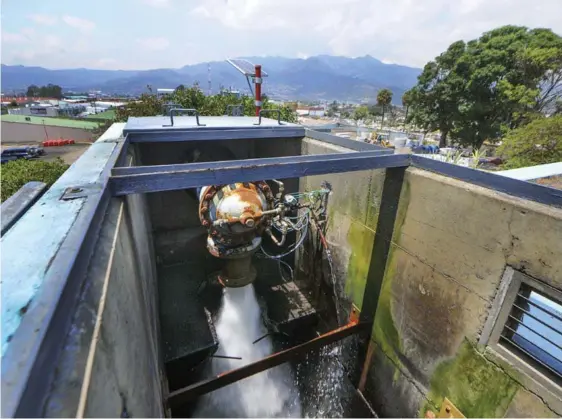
[407, 99]
[384, 98]
[332, 109]
[361, 113]
[479, 90]
[539, 142]
[32, 91]
[181, 87]
[13, 104]
[50, 90]
[193, 98]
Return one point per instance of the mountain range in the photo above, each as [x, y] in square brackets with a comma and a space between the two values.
[322, 77]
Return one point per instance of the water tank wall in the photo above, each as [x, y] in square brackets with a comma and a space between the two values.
[119, 292]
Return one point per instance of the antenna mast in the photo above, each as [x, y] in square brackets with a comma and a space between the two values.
[209, 78]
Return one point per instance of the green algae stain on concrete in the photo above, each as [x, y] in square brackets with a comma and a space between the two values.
[374, 198]
[477, 387]
[361, 240]
[385, 333]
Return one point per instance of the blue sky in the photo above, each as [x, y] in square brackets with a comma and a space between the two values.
[142, 34]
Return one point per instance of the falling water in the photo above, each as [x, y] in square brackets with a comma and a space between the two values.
[270, 393]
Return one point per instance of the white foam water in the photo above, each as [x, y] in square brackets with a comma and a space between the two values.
[271, 393]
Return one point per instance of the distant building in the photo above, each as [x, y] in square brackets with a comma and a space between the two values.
[316, 111]
[163, 92]
[35, 129]
[40, 110]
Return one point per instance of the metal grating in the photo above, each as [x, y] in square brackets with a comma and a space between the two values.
[533, 330]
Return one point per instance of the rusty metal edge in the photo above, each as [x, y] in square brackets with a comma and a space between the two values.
[189, 393]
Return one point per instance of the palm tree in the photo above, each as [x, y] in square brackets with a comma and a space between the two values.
[384, 98]
[407, 99]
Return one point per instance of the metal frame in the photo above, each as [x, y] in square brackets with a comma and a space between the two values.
[501, 308]
[15, 206]
[184, 395]
[30, 360]
[146, 179]
[521, 189]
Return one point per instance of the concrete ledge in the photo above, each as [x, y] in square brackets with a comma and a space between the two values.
[533, 172]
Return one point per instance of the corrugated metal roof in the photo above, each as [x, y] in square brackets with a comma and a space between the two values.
[54, 122]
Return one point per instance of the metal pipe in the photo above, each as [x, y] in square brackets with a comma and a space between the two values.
[189, 393]
[274, 239]
[257, 82]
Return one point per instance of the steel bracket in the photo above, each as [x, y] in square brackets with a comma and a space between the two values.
[449, 410]
[75, 192]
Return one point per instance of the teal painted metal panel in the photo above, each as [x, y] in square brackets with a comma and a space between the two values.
[30, 246]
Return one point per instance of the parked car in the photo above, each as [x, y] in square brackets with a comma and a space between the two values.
[6, 159]
[22, 152]
[37, 150]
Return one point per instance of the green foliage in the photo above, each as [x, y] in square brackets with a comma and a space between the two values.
[13, 104]
[50, 90]
[193, 98]
[478, 90]
[361, 113]
[17, 173]
[332, 109]
[539, 142]
[407, 98]
[384, 98]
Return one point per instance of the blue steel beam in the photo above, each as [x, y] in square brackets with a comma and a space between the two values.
[344, 142]
[146, 179]
[490, 180]
[209, 134]
[143, 170]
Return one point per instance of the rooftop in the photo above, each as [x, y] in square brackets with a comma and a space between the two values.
[55, 122]
[109, 115]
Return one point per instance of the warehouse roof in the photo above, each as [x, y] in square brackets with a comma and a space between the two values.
[55, 122]
[109, 115]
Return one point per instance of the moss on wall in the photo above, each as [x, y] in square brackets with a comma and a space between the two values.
[361, 240]
[385, 333]
[477, 387]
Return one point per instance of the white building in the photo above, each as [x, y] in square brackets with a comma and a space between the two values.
[316, 111]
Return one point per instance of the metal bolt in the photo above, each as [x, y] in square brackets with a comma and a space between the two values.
[250, 222]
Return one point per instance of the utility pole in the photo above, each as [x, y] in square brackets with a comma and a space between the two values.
[209, 79]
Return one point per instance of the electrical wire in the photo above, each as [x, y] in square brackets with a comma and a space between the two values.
[291, 249]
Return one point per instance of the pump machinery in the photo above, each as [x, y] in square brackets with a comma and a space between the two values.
[238, 215]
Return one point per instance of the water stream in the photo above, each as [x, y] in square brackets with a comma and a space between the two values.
[271, 393]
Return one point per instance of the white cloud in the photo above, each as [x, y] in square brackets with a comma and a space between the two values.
[158, 3]
[83, 25]
[402, 31]
[43, 19]
[105, 63]
[154, 44]
[13, 38]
